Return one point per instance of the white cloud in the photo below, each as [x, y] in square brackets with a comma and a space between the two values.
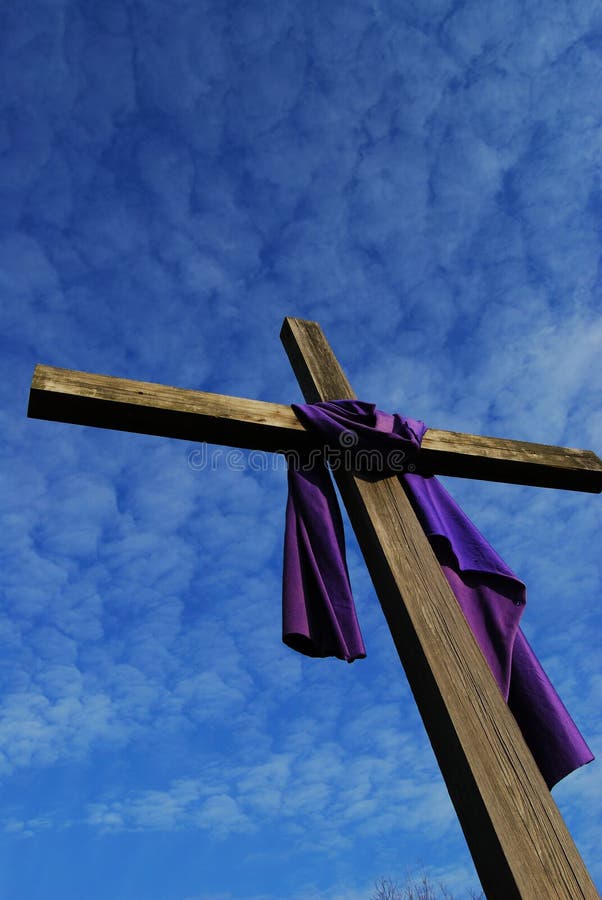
[175, 179]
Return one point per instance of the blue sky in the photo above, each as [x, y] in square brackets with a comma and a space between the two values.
[423, 178]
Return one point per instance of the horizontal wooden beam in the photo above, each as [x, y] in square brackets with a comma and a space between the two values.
[514, 462]
[103, 401]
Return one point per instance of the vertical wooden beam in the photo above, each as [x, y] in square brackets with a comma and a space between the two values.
[518, 840]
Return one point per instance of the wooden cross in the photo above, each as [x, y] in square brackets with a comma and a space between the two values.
[519, 843]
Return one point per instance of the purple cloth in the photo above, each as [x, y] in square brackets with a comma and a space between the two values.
[318, 611]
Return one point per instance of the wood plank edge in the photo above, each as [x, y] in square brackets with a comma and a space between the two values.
[533, 474]
[181, 425]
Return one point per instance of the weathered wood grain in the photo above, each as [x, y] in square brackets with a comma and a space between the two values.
[104, 401]
[513, 462]
[518, 840]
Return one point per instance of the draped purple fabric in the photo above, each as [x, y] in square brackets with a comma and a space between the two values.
[318, 610]
[319, 616]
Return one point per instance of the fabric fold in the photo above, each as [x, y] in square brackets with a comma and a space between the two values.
[318, 610]
[319, 617]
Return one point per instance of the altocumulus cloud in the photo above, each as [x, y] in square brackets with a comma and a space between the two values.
[176, 177]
